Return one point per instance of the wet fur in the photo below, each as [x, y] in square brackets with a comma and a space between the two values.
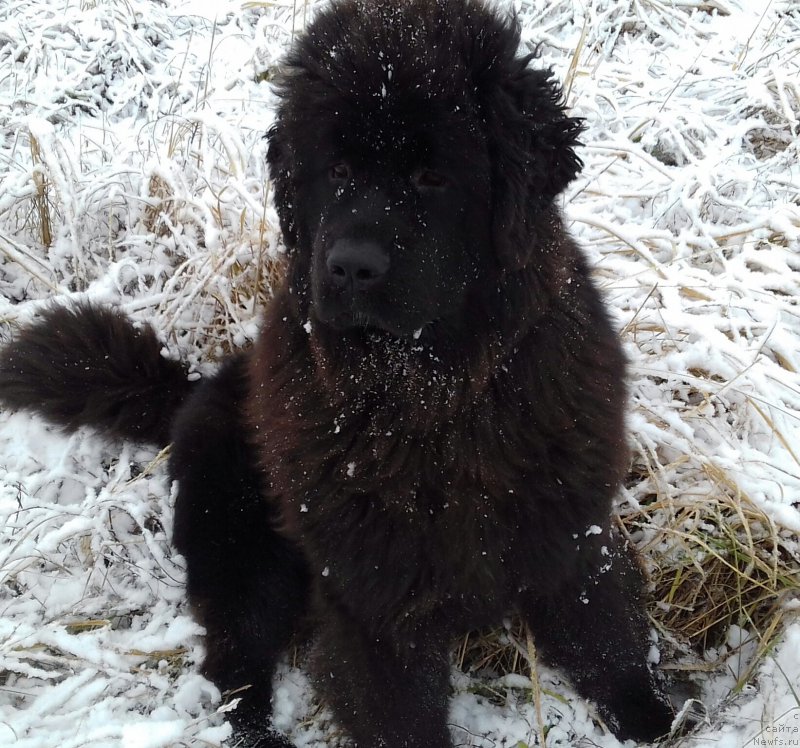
[400, 488]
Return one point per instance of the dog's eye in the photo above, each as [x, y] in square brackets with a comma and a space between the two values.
[339, 172]
[430, 179]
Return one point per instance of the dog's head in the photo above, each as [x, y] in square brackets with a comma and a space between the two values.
[413, 153]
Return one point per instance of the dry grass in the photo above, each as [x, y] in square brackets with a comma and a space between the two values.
[717, 560]
[41, 196]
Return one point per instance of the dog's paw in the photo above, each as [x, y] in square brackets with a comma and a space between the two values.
[260, 739]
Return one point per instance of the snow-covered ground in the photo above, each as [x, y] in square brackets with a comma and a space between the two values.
[132, 171]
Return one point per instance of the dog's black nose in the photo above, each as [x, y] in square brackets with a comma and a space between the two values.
[356, 265]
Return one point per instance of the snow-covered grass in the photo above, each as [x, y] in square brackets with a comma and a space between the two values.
[132, 171]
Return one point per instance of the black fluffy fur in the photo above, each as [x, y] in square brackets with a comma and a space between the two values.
[87, 365]
[428, 434]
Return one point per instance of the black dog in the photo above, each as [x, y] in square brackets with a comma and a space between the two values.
[429, 432]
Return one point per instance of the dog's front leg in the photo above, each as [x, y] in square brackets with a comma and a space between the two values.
[389, 690]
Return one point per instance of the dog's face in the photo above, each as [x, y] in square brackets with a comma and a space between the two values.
[411, 152]
[391, 218]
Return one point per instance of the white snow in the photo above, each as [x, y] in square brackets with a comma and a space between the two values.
[132, 171]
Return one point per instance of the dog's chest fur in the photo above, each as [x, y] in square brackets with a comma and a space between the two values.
[401, 514]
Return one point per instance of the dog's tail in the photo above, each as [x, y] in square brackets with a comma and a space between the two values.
[86, 365]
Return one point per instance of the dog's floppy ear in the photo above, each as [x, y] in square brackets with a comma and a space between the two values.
[532, 145]
[279, 159]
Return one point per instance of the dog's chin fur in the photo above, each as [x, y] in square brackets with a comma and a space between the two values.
[370, 325]
[380, 365]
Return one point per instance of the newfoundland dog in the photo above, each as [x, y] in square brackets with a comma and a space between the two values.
[429, 432]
